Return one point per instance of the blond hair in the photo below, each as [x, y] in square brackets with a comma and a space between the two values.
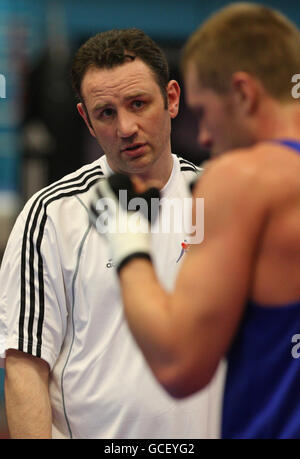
[245, 37]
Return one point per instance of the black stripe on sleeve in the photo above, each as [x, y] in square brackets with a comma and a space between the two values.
[187, 163]
[40, 261]
[188, 168]
[27, 260]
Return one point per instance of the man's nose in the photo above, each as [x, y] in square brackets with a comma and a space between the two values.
[204, 138]
[127, 125]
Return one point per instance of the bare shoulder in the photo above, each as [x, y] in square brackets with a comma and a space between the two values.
[272, 157]
[233, 175]
[260, 171]
[279, 169]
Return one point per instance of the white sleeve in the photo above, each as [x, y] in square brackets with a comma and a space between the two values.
[33, 314]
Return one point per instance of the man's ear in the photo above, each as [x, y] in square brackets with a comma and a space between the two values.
[173, 95]
[83, 113]
[246, 90]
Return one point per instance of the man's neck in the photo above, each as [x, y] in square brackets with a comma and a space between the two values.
[156, 175]
[283, 124]
[159, 174]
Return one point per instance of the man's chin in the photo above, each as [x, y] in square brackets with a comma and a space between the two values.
[139, 164]
[214, 153]
[239, 143]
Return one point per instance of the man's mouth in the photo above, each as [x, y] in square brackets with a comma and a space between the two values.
[134, 149]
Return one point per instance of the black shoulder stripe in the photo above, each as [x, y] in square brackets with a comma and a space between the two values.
[185, 161]
[72, 187]
[188, 168]
[40, 259]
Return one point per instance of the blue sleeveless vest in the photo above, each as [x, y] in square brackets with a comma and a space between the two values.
[262, 389]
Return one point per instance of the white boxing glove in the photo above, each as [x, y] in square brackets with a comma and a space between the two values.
[124, 217]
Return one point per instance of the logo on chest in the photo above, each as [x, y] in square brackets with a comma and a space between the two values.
[184, 248]
[110, 263]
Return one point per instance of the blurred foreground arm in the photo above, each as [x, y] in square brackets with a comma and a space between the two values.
[27, 397]
[185, 334]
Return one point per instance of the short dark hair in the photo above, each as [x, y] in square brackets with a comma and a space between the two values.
[248, 37]
[115, 47]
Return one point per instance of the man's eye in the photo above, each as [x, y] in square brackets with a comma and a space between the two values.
[107, 113]
[138, 103]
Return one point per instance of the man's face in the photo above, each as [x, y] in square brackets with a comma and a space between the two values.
[220, 125]
[128, 115]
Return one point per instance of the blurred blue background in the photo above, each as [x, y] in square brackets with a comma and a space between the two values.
[41, 135]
